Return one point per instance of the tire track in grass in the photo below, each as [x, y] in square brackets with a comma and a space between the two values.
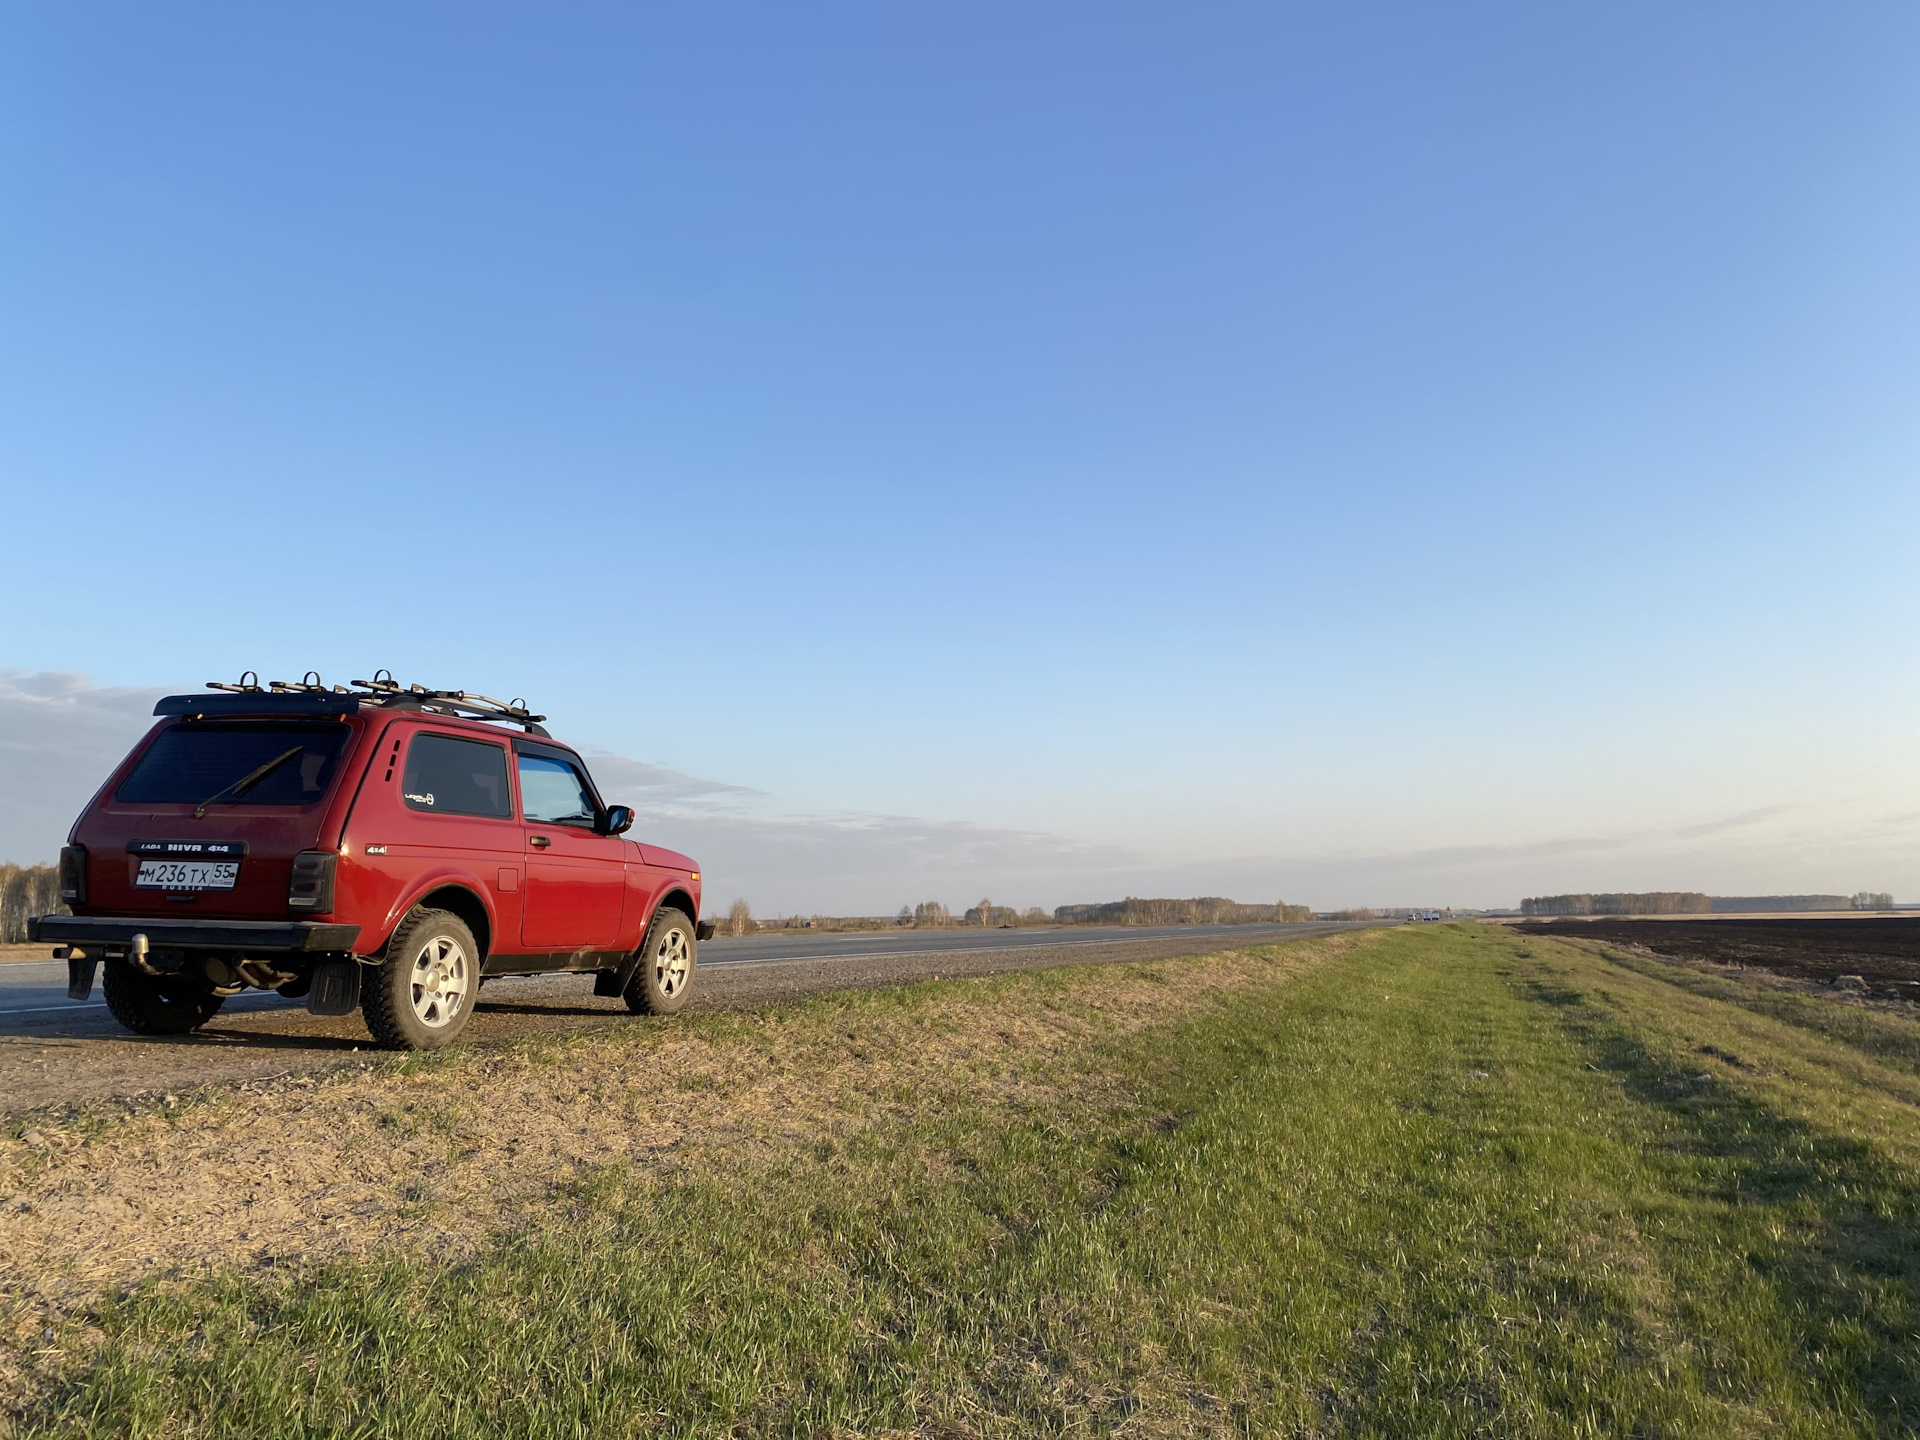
[1375, 1220]
[1786, 1168]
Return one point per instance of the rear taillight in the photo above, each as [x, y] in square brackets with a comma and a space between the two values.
[311, 889]
[73, 874]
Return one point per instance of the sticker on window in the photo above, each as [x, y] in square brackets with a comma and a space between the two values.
[451, 776]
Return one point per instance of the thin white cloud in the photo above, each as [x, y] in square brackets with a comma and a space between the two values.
[636, 783]
[871, 864]
[1742, 821]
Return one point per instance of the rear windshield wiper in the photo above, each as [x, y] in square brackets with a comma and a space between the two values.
[247, 782]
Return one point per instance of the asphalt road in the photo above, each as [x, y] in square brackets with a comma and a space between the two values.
[56, 1051]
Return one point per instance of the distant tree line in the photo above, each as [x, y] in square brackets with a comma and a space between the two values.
[1207, 910]
[26, 891]
[1865, 900]
[1001, 917]
[1688, 902]
[933, 915]
[1653, 902]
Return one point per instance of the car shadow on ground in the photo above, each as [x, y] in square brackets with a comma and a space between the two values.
[312, 1039]
[247, 1039]
[498, 1007]
[279, 1028]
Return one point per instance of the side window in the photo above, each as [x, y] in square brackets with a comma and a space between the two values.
[456, 777]
[553, 792]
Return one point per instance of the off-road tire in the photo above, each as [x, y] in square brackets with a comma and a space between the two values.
[399, 1009]
[156, 1005]
[663, 979]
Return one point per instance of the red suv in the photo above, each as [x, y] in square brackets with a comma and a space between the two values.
[377, 846]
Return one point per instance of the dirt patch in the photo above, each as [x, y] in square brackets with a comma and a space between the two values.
[1884, 952]
[1898, 999]
[437, 1155]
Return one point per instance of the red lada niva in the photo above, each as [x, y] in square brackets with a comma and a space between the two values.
[381, 847]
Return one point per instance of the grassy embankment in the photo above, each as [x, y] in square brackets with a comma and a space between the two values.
[1452, 1182]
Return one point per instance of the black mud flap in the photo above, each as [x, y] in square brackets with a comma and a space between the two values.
[79, 977]
[607, 983]
[704, 930]
[336, 988]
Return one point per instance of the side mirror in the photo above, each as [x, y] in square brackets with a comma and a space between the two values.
[616, 820]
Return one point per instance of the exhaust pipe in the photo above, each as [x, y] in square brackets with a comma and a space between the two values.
[137, 953]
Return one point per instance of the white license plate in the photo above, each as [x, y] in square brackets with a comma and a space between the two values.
[187, 874]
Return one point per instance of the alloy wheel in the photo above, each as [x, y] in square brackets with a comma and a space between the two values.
[441, 980]
[671, 961]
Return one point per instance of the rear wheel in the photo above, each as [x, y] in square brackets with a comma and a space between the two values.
[664, 979]
[420, 995]
[156, 1004]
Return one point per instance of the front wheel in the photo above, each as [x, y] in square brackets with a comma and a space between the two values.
[421, 993]
[664, 977]
[156, 1004]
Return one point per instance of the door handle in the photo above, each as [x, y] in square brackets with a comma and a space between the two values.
[539, 840]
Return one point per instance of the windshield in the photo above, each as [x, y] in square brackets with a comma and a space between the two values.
[199, 758]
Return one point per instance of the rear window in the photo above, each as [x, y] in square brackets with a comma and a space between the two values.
[456, 777]
[199, 759]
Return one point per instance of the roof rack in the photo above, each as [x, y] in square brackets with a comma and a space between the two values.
[312, 694]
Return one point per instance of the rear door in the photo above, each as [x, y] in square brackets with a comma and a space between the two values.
[576, 878]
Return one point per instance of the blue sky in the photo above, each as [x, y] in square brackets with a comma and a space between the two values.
[1378, 454]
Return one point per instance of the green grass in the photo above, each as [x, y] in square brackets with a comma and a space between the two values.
[1449, 1184]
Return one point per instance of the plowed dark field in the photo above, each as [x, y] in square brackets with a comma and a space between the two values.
[1883, 952]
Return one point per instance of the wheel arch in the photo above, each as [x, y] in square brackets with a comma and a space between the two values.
[458, 899]
[452, 888]
[674, 899]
